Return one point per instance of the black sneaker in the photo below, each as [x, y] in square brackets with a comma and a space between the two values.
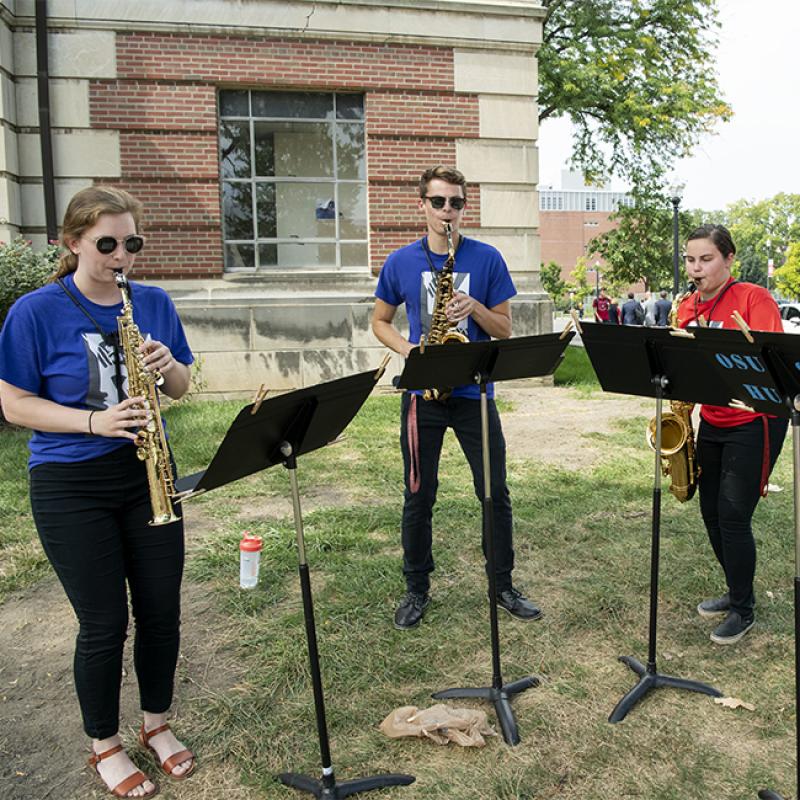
[715, 606]
[411, 610]
[513, 601]
[733, 628]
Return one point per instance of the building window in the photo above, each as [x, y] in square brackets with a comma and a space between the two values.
[591, 203]
[293, 173]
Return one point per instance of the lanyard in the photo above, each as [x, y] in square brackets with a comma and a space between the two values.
[727, 286]
[109, 339]
[434, 272]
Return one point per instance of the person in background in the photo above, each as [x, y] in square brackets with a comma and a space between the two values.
[662, 309]
[601, 305]
[736, 449]
[649, 309]
[614, 316]
[632, 312]
[62, 374]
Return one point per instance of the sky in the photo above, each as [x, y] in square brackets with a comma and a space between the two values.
[756, 154]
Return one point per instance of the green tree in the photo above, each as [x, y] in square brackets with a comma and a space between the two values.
[762, 230]
[787, 277]
[635, 77]
[641, 247]
[552, 283]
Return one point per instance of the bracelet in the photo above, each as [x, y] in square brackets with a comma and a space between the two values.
[91, 414]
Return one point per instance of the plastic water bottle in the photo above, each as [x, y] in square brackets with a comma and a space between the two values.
[249, 556]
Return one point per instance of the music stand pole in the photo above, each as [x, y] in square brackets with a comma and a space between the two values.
[768, 794]
[327, 788]
[497, 693]
[649, 677]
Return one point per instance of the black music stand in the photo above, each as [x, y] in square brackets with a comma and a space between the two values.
[654, 362]
[277, 431]
[485, 362]
[771, 384]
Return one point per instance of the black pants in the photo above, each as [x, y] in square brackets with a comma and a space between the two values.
[731, 464]
[92, 520]
[463, 415]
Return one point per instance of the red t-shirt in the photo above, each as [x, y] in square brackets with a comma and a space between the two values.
[601, 305]
[758, 310]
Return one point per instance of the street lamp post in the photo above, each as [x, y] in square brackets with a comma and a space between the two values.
[676, 268]
[597, 279]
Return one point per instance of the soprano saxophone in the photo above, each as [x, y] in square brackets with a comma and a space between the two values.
[151, 443]
[441, 331]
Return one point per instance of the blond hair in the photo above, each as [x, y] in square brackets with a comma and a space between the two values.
[83, 211]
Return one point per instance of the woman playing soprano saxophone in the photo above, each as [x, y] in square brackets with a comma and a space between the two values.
[736, 449]
[62, 375]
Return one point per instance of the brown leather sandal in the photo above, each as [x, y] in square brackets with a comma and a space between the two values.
[169, 763]
[133, 780]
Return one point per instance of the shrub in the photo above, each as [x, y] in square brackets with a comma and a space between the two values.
[23, 269]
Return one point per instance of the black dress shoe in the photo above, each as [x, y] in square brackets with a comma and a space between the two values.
[411, 610]
[513, 601]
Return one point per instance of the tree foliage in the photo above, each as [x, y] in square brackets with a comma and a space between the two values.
[635, 77]
[551, 281]
[641, 247]
[762, 230]
[787, 277]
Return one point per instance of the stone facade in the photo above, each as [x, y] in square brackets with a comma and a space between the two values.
[134, 94]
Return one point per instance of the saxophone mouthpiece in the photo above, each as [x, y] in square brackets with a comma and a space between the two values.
[120, 278]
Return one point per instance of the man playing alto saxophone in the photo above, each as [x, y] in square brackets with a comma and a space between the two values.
[479, 307]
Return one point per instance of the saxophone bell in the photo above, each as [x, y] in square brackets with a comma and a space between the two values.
[678, 455]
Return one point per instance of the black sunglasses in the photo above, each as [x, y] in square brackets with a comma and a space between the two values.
[108, 244]
[456, 203]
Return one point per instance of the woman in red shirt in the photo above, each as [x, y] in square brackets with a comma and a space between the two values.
[736, 449]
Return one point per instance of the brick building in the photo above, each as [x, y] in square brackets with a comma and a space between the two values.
[571, 216]
[276, 147]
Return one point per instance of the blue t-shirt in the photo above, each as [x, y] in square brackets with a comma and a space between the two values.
[49, 347]
[480, 272]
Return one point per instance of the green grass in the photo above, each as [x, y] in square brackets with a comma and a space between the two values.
[576, 370]
[582, 542]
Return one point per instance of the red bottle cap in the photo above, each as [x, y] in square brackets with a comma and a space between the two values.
[250, 544]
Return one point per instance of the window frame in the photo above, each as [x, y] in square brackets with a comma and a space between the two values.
[254, 181]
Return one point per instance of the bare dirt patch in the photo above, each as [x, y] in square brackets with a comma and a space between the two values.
[42, 746]
[552, 424]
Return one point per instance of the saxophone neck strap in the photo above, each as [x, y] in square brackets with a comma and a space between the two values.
[110, 339]
[731, 282]
[425, 249]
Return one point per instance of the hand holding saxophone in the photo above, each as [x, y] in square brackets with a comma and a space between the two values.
[156, 356]
[460, 307]
[122, 420]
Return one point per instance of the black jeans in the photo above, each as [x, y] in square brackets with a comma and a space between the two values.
[92, 520]
[731, 464]
[463, 415]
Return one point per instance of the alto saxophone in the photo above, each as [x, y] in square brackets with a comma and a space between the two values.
[441, 331]
[678, 456]
[151, 443]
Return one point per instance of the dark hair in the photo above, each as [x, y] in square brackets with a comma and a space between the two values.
[446, 174]
[718, 234]
[664, 291]
[630, 295]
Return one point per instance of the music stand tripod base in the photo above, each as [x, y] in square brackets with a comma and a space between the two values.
[500, 698]
[650, 679]
[328, 789]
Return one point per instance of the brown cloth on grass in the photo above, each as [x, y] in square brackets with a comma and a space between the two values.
[440, 724]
